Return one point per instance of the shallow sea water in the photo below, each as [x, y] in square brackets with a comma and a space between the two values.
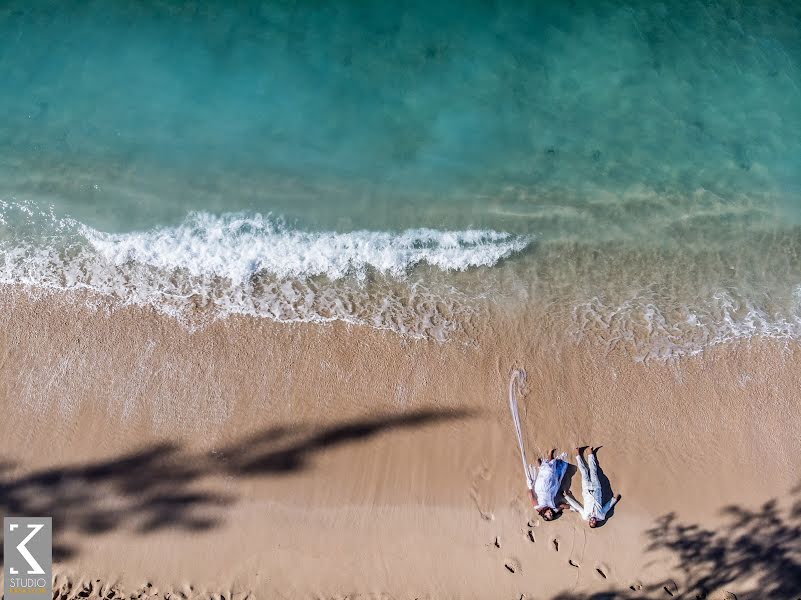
[631, 166]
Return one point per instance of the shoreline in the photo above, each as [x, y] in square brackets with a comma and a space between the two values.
[371, 465]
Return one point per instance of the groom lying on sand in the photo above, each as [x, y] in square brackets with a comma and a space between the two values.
[593, 510]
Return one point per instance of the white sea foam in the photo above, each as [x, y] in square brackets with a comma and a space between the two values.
[211, 266]
[652, 330]
[238, 246]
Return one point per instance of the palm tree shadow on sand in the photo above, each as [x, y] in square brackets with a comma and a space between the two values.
[762, 546]
[166, 486]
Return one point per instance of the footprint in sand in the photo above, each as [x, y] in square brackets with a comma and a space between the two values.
[555, 543]
[480, 477]
[531, 536]
[671, 589]
[573, 564]
[602, 571]
[497, 543]
[512, 565]
[636, 586]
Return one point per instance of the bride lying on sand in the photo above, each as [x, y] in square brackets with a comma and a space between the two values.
[547, 481]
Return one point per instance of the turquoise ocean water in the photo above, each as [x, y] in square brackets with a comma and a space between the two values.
[634, 166]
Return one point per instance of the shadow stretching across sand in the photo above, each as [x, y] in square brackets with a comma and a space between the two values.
[166, 486]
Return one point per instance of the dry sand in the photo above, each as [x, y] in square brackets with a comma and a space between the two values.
[253, 459]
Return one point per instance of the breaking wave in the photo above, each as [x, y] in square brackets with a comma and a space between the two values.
[212, 266]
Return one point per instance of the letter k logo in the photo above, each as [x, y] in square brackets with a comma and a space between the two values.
[36, 568]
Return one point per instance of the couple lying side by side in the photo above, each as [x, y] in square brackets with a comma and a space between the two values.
[544, 488]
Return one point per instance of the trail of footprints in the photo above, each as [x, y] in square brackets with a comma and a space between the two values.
[513, 566]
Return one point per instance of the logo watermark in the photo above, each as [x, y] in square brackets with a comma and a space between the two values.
[28, 558]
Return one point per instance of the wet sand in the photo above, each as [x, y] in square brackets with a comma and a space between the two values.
[290, 461]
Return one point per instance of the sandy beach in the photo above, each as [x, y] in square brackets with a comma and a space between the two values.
[267, 269]
[258, 460]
